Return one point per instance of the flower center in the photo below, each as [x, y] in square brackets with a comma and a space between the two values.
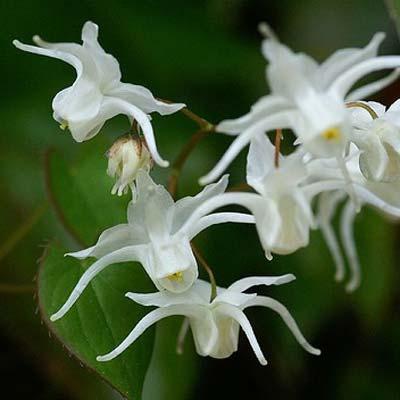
[332, 134]
[176, 277]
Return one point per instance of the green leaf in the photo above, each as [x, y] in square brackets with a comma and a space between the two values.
[101, 318]
[81, 195]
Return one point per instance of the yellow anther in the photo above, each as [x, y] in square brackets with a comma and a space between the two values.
[176, 277]
[332, 134]
[64, 125]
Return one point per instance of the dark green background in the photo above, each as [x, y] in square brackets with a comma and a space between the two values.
[206, 54]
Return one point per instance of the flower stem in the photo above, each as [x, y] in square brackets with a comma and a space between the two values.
[365, 106]
[205, 265]
[179, 162]
[200, 121]
[278, 138]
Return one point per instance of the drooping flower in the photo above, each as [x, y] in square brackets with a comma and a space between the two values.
[307, 98]
[281, 205]
[215, 325]
[126, 157]
[98, 94]
[156, 235]
[378, 137]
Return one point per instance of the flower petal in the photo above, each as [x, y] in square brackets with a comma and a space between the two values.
[260, 161]
[131, 253]
[342, 60]
[110, 240]
[326, 208]
[186, 206]
[341, 86]
[219, 218]
[369, 89]
[347, 236]
[150, 319]
[246, 283]
[241, 318]
[263, 107]
[287, 318]
[144, 99]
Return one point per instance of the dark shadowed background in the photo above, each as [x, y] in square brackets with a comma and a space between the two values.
[206, 54]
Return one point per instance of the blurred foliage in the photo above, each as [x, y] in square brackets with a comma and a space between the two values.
[206, 54]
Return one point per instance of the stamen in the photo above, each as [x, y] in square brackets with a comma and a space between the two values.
[332, 134]
[176, 277]
[365, 106]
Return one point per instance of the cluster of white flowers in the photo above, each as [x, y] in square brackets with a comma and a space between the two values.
[345, 149]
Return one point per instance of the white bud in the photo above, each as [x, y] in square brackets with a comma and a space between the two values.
[126, 157]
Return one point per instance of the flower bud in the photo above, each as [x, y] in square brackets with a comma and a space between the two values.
[126, 157]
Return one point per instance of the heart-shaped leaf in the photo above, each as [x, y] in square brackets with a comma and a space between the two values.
[100, 319]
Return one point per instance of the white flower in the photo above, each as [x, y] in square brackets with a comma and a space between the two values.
[281, 206]
[307, 98]
[156, 235]
[126, 157]
[378, 137]
[215, 325]
[98, 93]
[383, 196]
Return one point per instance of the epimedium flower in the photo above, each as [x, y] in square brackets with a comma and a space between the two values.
[308, 98]
[281, 205]
[377, 134]
[98, 94]
[215, 324]
[156, 236]
[126, 157]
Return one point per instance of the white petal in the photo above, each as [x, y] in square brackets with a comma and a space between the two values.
[375, 200]
[157, 208]
[347, 236]
[185, 207]
[265, 106]
[131, 253]
[246, 283]
[244, 199]
[143, 324]
[374, 158]
[274, 121]
[142, 97]
[287, 318]
[366, 91]
[313, 189]
[219, 218]
[327, 207]
[66, 57]
[110, 240]
[341, 86]
[342, 60]
[239, 316]
[260, 160]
